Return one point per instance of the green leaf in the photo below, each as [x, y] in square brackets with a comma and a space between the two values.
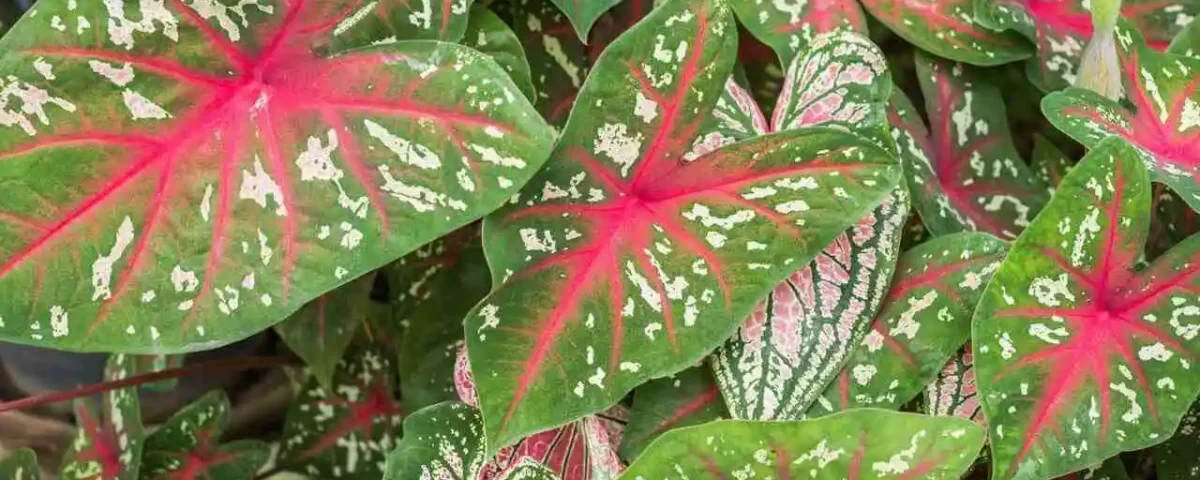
[1078, 356]
[446, 441]
[21, 465]
[1111, 469]
[348, 430]
[558, 60]
[1049, 164]
[189, 445]
[489, 34]
[861, 444]
[145, 364]
[789, 27]
[1175, 459]
[1163, 88]
[322, 330]
[948, 29]
[434, 288]
[964, 171]
[584, 13]
[621, 253]
[109, 437]
[1062, 29]
[924, 321]
[177, 179]
[796, 340]
[690, 397]
[1187, 42]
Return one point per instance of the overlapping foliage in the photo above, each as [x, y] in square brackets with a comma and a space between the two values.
[561, 240]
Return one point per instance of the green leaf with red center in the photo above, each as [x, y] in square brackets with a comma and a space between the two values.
[789, 27]
[222, 176]
[948, 29]
[446, 441]
[21, 465]
[621, 262]
[797, 339]
[1049, 164]
[348, 430]
[861, 444]
[189, 446]
[690, 397]
[1062, 28]
[109, 437]
[584, 13]
[954, 393]
[433, 289]
[1175, 459]
[1079, 357]
[320, 332]
[1187, 41]
[1165, 127]
[489, 34]
[964, 171]
[924, 321]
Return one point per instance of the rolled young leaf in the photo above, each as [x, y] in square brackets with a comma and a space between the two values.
[620, 262]
[1075, 351]
[863, 444]
[160, 157]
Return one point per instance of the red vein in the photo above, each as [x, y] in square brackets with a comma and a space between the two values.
[409, 109]
[220, 41]
[162, 67]
[358, 168]
[904, 286]
[692, 406]
[266, 126]
[105, 139]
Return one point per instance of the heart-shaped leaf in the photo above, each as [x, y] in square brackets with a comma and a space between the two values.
[584, 13]
[789, 27]
[433, 288]
[348, 430]
[109, 437]
[1062, 28]
[926, 318]
[949, 29]
[446, 441]
[189, 445]
[21, 465]
[321, 331]
[489, 34]
[222, 175]
[862, 444]
[1078, 357]
[1165, 126]
[798, 338]
[1175, 459]
[954, 392]
[964, 171]
[621, 262]
[690, 397]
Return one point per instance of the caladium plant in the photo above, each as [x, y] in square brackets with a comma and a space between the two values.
[223, 174]
[189, 445]
[789, 27]
[620, 262]
[110, 437]
[21, 465]
[1074, 351]
[690, 397]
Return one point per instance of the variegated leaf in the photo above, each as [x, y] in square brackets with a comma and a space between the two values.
[489, 34]
[949, 29]
[433, 288]
[1165, 125]
[926, 318]
[789, 27]
[690, 397]
[964, 171]
[1111, 469]
[800, 336]
[584, 13]
[1079, 357]
[1176, 459]
[1050, 164]
[109, 437]
[220, 166]
[1187, 42]
[954, 393]
[558, 61]
[321, 331]
[619, 262]
[189, 446]
[1173, 222]
[348, 430]
[864, 444]
[1062, 28]
[21, 465]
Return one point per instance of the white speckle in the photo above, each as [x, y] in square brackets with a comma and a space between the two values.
[102, 268]
[143, 108]
[59, 321]
[259, 186]
[1157, 351]
[45, 69]
[614, 141]
[406, 152]
[645, 108]
[118, 76]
